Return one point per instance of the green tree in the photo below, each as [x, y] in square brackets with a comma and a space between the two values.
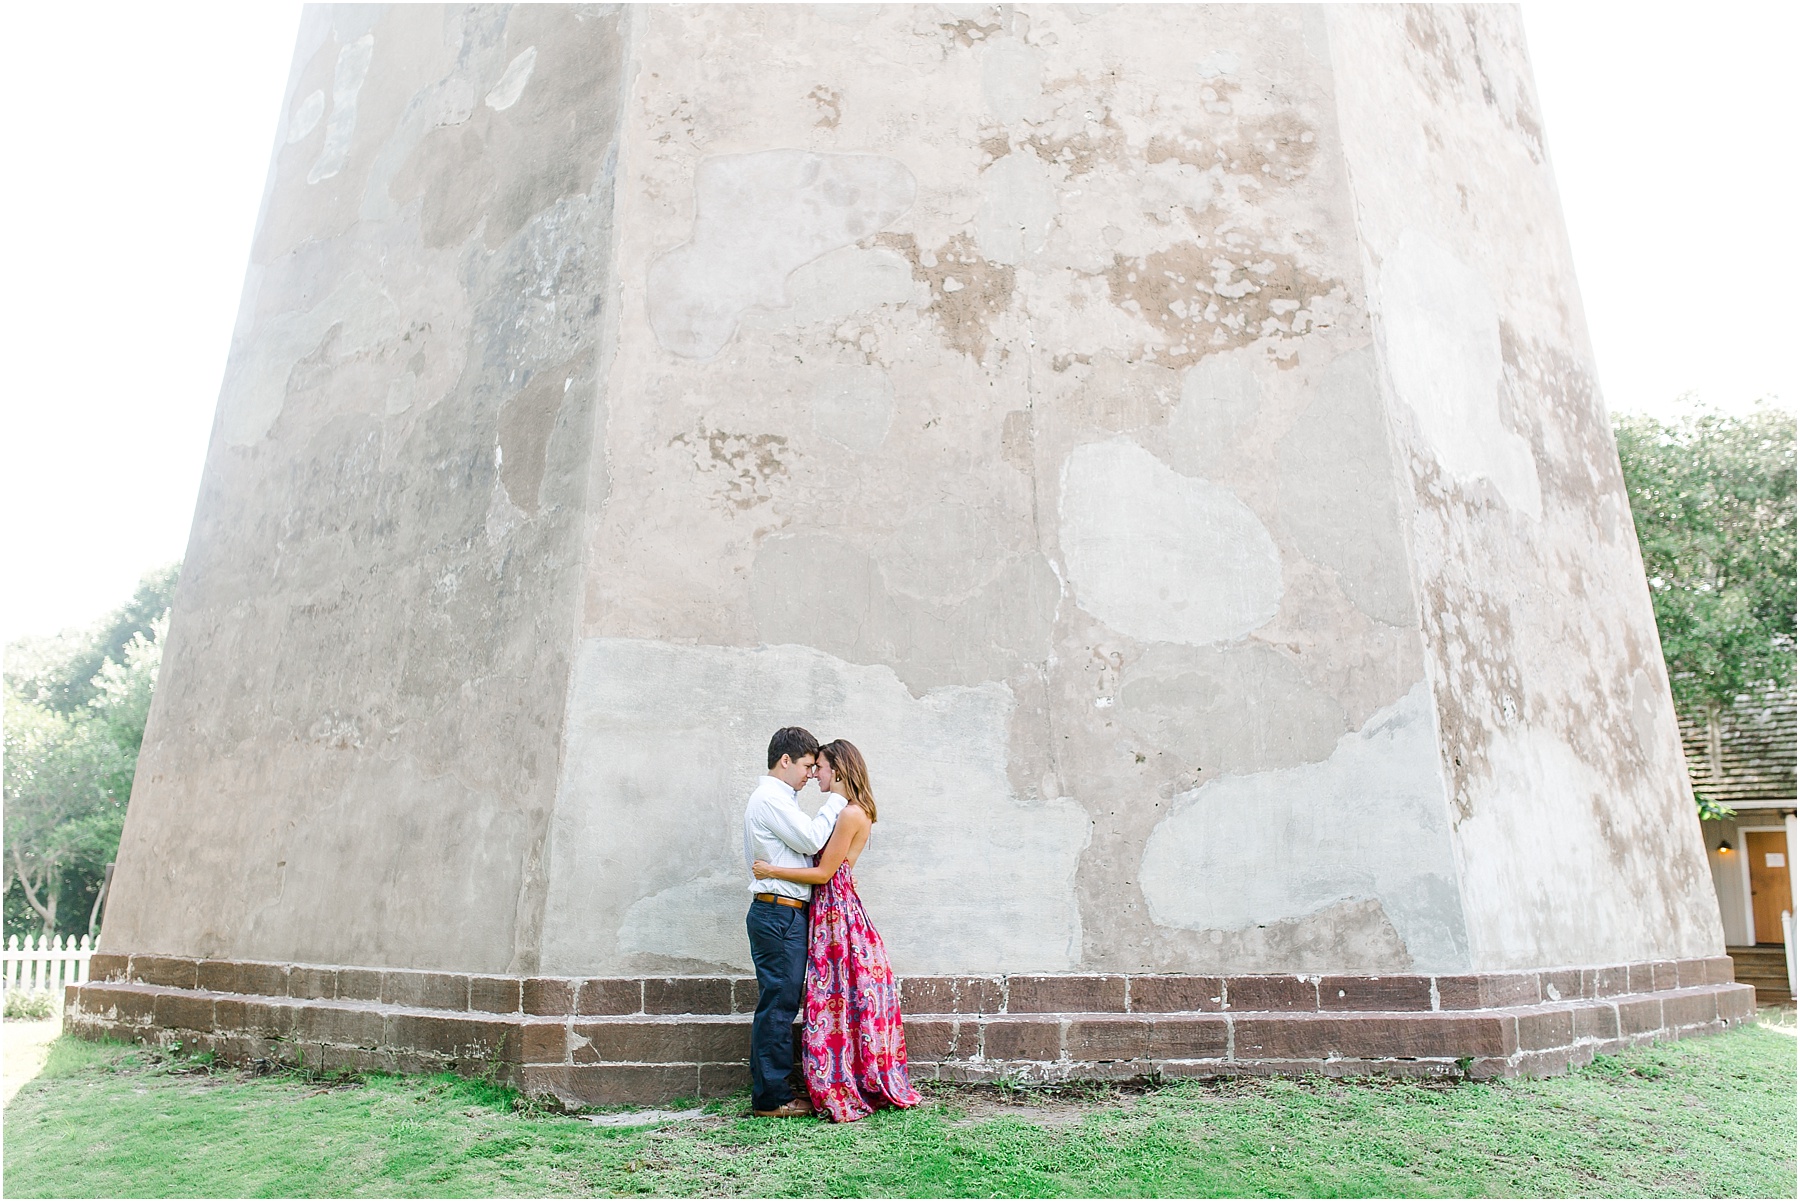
[122, 688]
[64, 806]
[1712, 497]
[59, 672]
[75, 707]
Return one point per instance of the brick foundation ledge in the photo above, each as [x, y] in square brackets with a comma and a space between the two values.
[630, 1040]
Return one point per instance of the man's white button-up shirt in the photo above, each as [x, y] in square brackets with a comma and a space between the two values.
[777, 831]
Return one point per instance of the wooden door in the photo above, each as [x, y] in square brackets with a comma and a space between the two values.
[1770, 893]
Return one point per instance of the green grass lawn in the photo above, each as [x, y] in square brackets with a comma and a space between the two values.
[1712, 1116]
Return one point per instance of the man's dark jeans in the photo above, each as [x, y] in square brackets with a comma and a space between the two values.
[778, 949]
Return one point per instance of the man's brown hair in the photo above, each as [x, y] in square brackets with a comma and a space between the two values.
[795, 742]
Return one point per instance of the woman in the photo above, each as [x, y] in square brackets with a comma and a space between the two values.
[854, 1053]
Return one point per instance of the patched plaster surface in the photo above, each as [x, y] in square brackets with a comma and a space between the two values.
[1365, 824]
[1160, 556]
[1443, 349]
[758, 217]
[664, 745]
[347, 82]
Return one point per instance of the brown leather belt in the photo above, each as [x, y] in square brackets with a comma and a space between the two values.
[779, 900]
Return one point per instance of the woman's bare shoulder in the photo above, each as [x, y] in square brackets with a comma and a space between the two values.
[854, 818]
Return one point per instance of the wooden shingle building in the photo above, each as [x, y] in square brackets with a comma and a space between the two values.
[1743, 758]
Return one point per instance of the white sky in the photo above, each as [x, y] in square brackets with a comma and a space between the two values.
[138, 139]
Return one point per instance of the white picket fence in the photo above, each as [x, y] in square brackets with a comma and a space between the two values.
[45, 964]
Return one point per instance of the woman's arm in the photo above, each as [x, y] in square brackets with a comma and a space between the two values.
[837, 850]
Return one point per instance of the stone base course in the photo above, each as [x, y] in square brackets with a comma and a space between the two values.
[628, 1040]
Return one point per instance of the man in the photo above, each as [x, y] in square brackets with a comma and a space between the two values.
[777, 830]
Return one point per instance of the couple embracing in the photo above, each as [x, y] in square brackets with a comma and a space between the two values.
[810, 940]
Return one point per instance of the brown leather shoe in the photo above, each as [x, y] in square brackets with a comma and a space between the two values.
[794, 1108]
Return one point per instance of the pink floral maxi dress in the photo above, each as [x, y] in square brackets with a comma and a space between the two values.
[854, 1053]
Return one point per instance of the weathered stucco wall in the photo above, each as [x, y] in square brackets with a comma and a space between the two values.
[354, 749]
[1162, 438]
[1574, 826]
[1009, 380]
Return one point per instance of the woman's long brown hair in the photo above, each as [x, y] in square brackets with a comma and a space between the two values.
[847, 764]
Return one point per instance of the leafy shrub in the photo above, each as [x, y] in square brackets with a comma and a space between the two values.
[30, 1004]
